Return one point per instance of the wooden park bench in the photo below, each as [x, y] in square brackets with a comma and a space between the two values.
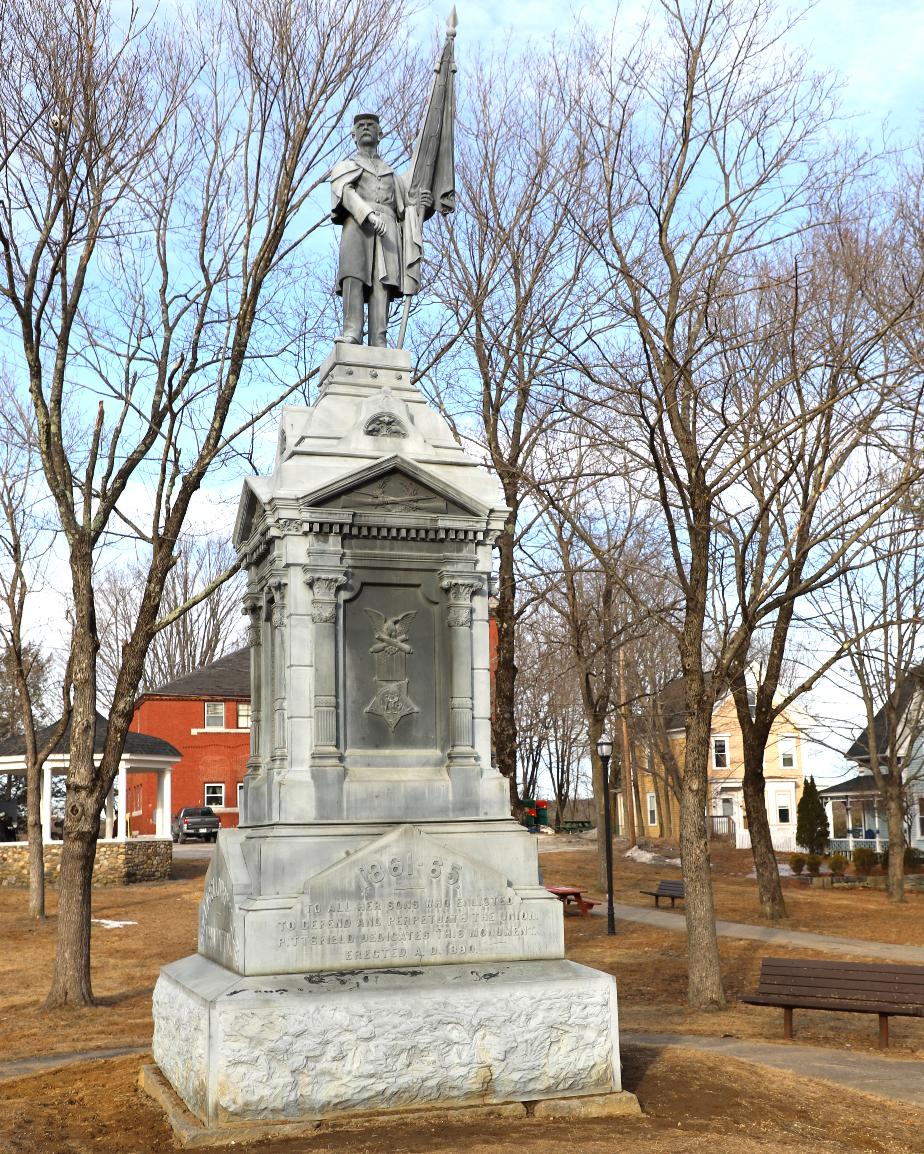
[576, 826]
[568, 894]
[666, 888]
[856, 987]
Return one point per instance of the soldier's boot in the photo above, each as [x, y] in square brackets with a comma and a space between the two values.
[352, 290]
[378, 314]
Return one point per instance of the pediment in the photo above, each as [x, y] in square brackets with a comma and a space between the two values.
[395, 486]
[250, 509]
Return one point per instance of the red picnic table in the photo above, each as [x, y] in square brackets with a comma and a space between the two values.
[568, 894]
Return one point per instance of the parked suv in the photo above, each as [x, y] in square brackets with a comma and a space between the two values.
[195, 821]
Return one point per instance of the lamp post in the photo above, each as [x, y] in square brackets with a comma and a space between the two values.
[605, 751]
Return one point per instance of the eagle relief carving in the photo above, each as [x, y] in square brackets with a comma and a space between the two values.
[391, 649]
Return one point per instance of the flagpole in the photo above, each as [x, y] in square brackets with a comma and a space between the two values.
[425, 149]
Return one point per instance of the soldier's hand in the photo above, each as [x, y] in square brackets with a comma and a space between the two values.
[378, 225]
[426, 198]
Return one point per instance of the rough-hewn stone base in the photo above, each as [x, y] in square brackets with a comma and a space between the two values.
[117, 862]
[303, 1048]
[190, 1133]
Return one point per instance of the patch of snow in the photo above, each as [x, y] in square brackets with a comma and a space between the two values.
[111, 923]
[785, 871]
[646, 858]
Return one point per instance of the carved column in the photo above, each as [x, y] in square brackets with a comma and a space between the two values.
[255, 638]
[459, 589]
[324, 586]
[277, 588]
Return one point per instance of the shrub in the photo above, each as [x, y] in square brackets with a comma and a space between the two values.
[838, 865]
[813, 864]
[864, 859]
[911, 857]
[797, 863]
[812, 830]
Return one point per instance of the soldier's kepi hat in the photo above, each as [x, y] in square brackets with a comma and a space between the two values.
[366, 116]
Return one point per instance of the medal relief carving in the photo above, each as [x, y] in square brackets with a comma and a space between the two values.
[390, 650]
[384, 425]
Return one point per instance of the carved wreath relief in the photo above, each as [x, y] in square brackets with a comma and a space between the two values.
[391, 650]
[384, 425]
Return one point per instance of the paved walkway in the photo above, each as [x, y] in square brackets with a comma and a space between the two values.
[23, 1067]
[824, 943]
[901, 1079]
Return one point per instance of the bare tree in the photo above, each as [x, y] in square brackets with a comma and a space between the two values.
[876, 615]
[550, 720]
[509, 283]
[197, 629]
[704, 154]
[155, 187]
[24, 545]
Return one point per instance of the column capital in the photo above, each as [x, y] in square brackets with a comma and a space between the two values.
[324, 584]
[460, 587]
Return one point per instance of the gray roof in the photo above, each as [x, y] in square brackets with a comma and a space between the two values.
[908, 685]
[226, 678]
[142, 744]
[862, 783]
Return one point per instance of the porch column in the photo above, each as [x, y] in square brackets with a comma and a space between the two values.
[162, 813]
[123, 802]
[849, 825]
[876, 824]
[110, 812]
[168, 800]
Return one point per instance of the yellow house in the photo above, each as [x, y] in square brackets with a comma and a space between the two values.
[657, 774]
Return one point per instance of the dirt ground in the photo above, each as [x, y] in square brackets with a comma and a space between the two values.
[692, 1101]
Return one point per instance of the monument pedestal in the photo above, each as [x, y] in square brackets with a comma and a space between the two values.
[297, 1047]
[375, 936]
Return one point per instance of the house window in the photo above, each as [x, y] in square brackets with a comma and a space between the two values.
[215, 794]
[720, 752]
[652, 810]
[214, 715]
[240, 793]
[782, 808]
[788, 752]
[243, 715]
[921, 817]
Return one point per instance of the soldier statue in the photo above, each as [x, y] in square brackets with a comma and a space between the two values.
[381, 211]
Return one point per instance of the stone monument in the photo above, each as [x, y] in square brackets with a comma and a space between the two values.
[375, 937]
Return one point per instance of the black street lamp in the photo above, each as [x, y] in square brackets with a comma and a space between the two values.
[605, 750]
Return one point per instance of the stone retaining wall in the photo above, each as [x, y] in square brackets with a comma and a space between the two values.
[117, 862]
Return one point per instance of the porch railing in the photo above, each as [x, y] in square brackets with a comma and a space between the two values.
[846, 845]
[720, 827]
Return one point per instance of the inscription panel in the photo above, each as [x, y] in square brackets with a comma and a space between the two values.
[406, 900]
[217, 937]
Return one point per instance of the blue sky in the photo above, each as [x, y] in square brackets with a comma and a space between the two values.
[876, 48]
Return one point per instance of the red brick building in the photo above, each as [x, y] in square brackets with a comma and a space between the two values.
[206, 717]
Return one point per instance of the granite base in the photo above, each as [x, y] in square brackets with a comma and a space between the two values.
[300, 1048]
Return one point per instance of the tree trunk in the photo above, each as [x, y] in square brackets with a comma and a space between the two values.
[505, 670]
[627, 776]
[70, 984]
[769, 890]
[704, 989]
[895, 816]
[34, 836]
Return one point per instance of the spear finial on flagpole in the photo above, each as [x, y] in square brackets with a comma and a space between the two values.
[451, 23]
